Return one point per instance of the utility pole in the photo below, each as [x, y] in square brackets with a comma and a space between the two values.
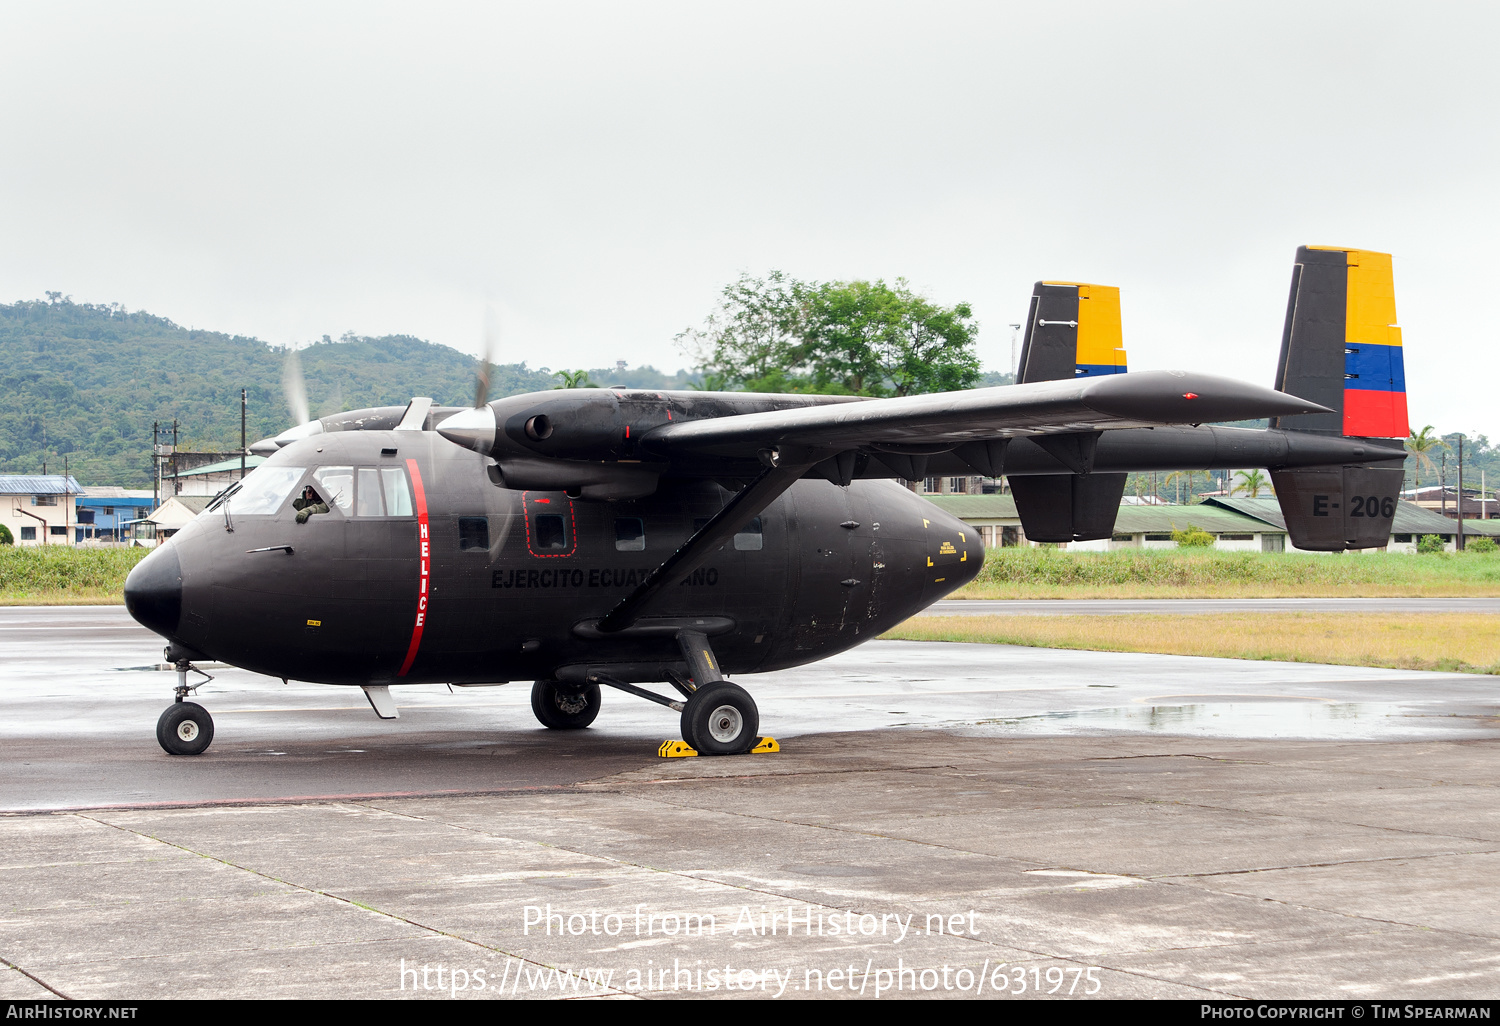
[1015, 330]
[155, 465]
[244, 401]
[67, 502]
[1459, 538]
[1443, 485]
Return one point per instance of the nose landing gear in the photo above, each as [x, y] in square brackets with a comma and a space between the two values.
[185, 728]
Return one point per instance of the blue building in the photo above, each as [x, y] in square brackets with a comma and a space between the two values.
[107, 513]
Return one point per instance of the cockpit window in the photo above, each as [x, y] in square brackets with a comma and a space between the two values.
[335, 485]
[383, 492]
[263, 490]
[397, 494]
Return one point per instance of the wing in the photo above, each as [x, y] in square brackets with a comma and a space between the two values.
[948, 419]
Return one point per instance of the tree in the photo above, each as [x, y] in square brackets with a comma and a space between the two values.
[1251, 482]
[6, 538]
[867, 338]
[1423, 445]
[754, 333]
[776, 334]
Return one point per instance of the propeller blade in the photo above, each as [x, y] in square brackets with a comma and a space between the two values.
[487, 360]
[294, 386]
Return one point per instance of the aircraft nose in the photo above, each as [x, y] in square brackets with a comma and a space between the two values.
[153, 591]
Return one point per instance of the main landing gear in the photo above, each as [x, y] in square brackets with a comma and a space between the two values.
[185, 728]
[718, 717]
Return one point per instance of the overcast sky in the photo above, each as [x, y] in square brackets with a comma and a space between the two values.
[598, 172]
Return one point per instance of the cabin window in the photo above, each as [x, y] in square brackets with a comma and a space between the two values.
[551, 533]
[750, 537]
[335, 486]
[630, 534]
[473, 534]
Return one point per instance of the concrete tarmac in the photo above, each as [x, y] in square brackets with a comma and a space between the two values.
[1088, 824]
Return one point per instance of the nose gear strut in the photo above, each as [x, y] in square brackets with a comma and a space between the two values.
[185, 728]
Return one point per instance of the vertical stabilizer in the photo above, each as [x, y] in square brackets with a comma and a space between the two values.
[1073, 331]
[1341, 347]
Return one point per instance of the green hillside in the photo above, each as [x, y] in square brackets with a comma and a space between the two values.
[88, 380]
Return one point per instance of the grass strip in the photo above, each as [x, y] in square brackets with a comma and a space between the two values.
[60, 575]
[1455, 642]
[1173, 573]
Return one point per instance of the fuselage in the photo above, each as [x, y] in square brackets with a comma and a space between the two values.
[423, 570]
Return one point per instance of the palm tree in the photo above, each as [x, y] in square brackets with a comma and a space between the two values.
[1423, 445]
[574, 379]
[1251, 482]
[1176, 477]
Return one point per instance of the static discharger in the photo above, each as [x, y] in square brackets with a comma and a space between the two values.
[682, 750]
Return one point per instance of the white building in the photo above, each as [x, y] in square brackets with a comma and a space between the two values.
[39, 509]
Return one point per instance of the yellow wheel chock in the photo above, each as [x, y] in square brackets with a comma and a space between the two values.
[681, 749]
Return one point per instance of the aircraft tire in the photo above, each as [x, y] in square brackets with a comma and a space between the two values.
[558, 708]
[185, 728]
[721, 719]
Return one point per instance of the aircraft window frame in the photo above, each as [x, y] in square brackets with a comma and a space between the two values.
[751, 537]
[634, 543]
[264, 491]
[334, 498]
[538, 504]
[474, 534]
[543, 548]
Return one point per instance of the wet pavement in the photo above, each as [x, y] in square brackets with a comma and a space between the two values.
[81, 696]
[944, 820]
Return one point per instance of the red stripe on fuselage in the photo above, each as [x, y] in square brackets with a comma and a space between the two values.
[424, 557]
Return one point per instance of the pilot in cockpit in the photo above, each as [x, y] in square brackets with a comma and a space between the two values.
[309, 505]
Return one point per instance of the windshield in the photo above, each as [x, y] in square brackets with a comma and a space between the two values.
[263, 491]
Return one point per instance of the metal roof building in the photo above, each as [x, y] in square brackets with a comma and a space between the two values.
[39, 509]
[39, 484]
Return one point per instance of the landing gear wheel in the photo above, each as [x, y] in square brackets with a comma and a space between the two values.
[185, 729]
[564, 708]
[721, 719]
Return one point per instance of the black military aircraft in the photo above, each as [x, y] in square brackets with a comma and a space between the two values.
[618, 537]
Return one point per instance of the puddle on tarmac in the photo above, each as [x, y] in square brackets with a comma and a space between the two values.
[1247, 716]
